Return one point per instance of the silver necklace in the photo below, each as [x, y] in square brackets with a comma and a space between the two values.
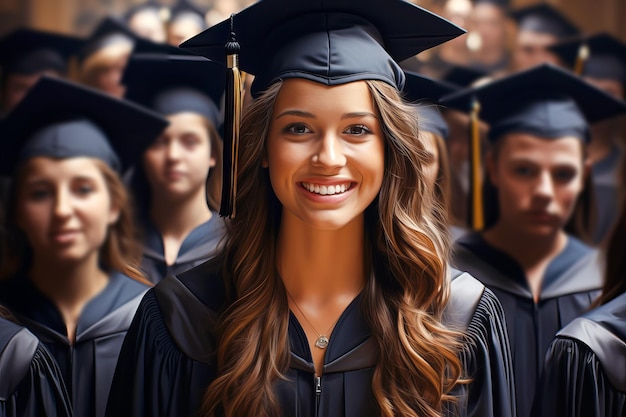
[322, 340]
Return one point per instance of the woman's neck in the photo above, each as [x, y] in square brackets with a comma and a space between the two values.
[177, 218]
[69, 286]
[321, 264]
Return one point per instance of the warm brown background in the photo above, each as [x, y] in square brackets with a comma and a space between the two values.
[79, 16]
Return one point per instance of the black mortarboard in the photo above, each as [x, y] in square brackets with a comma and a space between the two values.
[111, 31]
[544, 18]
[29, 51]
[60, 119]
[331, 42]
[185, 9]
[604, 56]
[545, 101]
[173, 84]
[463, 76]
[426, 93]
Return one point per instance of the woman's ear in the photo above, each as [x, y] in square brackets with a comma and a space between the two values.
[264, 162]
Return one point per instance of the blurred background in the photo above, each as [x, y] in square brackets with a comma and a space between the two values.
[80, 16]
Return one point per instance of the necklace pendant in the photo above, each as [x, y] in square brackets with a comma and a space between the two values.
[321, 342]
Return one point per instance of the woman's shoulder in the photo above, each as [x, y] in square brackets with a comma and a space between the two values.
[188, 305]
[17, 349]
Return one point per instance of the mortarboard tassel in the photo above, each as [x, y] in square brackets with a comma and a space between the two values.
[581, 59]
[232, 119]
[476, 192]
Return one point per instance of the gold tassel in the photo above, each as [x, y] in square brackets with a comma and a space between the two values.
[232, 120]
[476, 190]
[581, 59]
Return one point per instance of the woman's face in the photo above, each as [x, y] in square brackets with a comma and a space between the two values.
[325, 152]
[178, 162]
[538, 181]
[64, 208]
[109, 76]
[432, 167]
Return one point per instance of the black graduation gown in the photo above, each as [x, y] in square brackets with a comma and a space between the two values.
[171, 344]
[572, 281]
[30, 381]
[585, 371]
[87, 366]
[605, 176]
[199, 246]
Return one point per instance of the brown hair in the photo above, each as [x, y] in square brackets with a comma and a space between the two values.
[120, 251]
[403, 299]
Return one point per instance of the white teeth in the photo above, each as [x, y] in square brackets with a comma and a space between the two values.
[326, 189]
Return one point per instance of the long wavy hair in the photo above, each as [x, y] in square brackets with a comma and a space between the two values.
[402, 301]
[120, 251]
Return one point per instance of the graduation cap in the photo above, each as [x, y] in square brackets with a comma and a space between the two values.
[113, 31]
[329, 42]
[544, 18]
[426, 93]
[29, 51]
[185, 9]
[545, 101]
[463, 76]
[61, 119]
[173, 84]
[599, 56]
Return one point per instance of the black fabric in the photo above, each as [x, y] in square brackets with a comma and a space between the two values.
[201, 244]
[544, 18]
[61, 119]
[87, 365]
[585, 370]
[549, 102]
[330, 42]
[572, 281]
[170, 349]
[31, 383]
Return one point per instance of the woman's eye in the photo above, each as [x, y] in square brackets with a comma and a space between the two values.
[297, 129]
[38, 195]
[358, 130]
[84, 189]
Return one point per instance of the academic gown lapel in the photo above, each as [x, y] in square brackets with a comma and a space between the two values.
[198, 246]
[347, 373]
[87, 366]
[572, 281]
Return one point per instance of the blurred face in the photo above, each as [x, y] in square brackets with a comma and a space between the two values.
[181, 30]
[325, 152]
[532, 50]
[64, 208]
[178, 162]
[108, 77]
[538, 182]
[612, 87]
[18, 85]
[430, 146]
[490, 23]
[148, 25]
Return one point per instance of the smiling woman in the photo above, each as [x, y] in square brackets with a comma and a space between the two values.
[329, 296]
